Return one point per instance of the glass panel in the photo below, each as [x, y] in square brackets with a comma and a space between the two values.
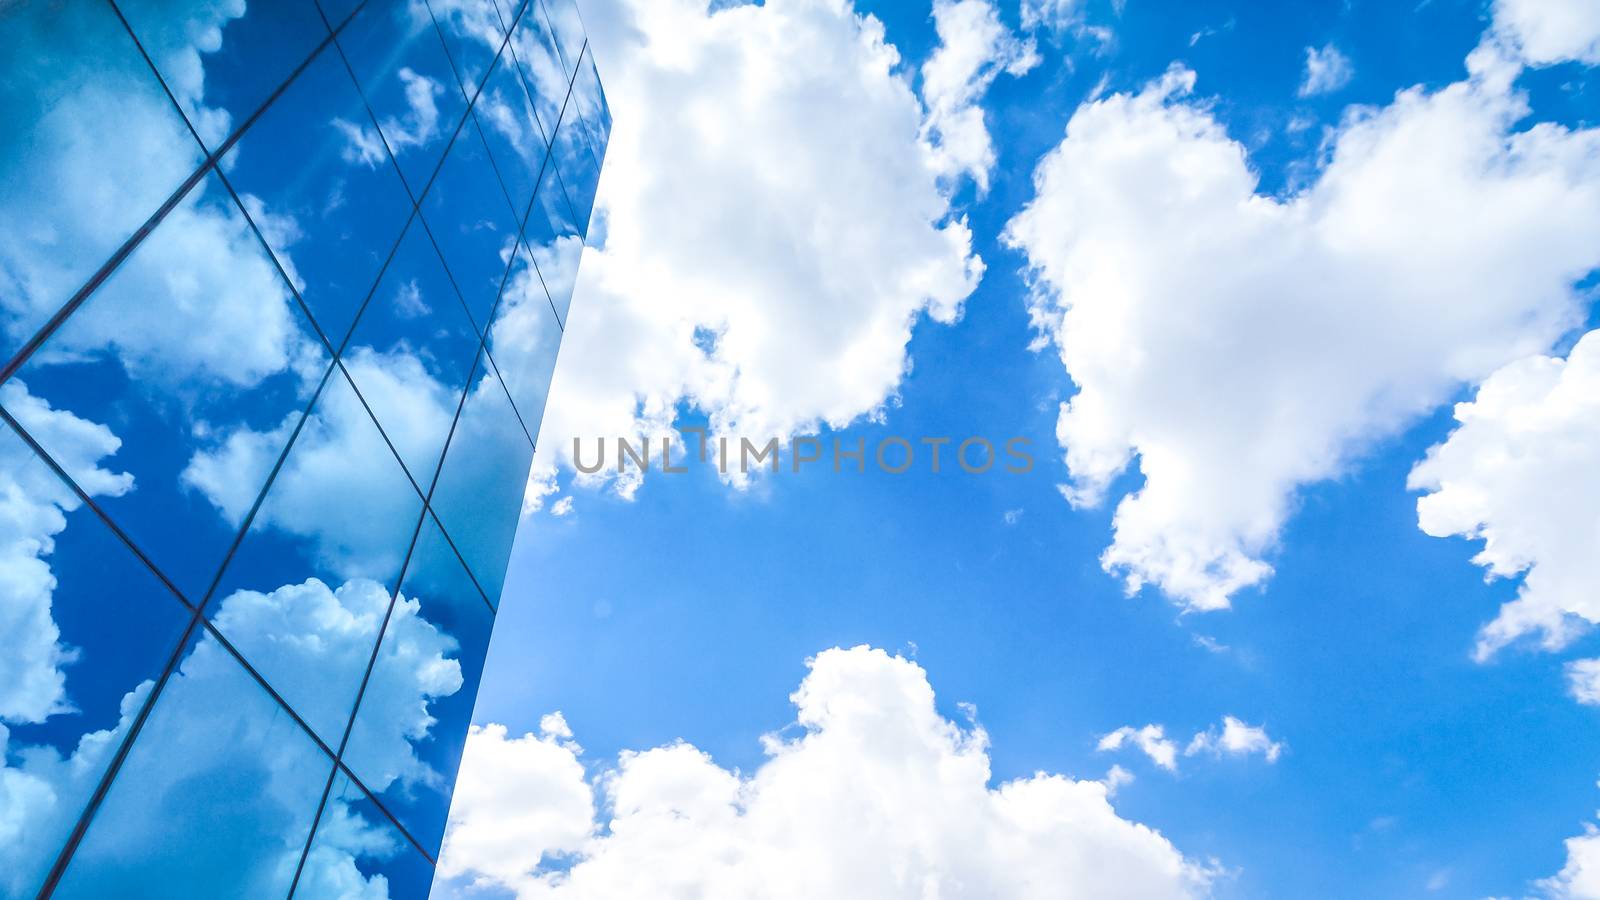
[401, 67]
[195, 335]
[556, 243]
[506, 119]
[472, 35]
[590, 111]
[321, 561]
[85, 629]
[568, 28]
[336, 12]
[481, 483]
[69, 76]
[526, 335]
[223, 60]
[359, 853]
[408, 734]
[324, 191]
[579, 173]
[412, 353]
[215, 799]
[539, 67]
[470, 218]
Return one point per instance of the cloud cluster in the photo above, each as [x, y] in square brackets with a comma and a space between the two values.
[878, 797]
[1235, 738]
[1519, 474]
[768, 273]
[1239, 346]
[974, 49]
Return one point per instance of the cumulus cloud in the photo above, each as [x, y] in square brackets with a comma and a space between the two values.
[974, 49]
[1551, 31]
[1151, 740]
[1327, 70]
[877, 797]
[521, 799]
[1240, 346]
[1519, 474]
[1235, 739]
[34, 505]
[768, 247]
[1579, 879]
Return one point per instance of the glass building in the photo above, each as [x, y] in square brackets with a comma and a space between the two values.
[282, 283]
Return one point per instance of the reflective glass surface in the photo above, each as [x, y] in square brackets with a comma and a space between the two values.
[320, 561]
[400, 65]
[333, 218]
[358, 852]
[85, 628]
[223, 61]
[69, 73]
[526, 335]
[470, 217]
[406, 742]
[538, 65]
[265, 422]
[473, 34]
[479, 493]
[411, 354]
[215, 799]
[567, 26]
[195, 340]
[591, 113]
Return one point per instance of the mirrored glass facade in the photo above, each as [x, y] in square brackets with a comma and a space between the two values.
[282, 285]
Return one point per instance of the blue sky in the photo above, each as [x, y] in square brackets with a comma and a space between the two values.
[687, 609]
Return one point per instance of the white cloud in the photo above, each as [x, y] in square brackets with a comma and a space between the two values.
[742, 198]
[1519, 474]
[1235, 739]
[1551, 31]
[974, 48]
[1579, 879]
[39, 792]
[520, 799]
[1327, 70]
[417, 128]
[1151, 739]
[880, 797]
[33, 508]
[1241, 346]
[1583, 680]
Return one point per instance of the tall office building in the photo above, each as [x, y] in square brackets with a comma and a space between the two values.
[282, 284]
